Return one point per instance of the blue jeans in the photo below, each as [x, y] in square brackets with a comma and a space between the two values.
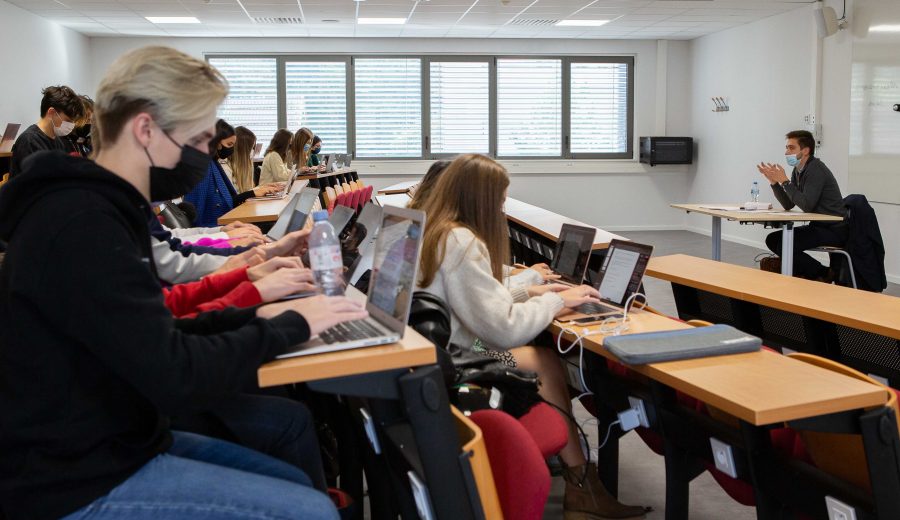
[207, 479]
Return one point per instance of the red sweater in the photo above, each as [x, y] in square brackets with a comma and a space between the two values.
[211, 293]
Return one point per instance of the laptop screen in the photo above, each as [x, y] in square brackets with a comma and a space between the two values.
[623, 270]
[339, 219]
[280, 227]
[573, 251]
[308, 197]
[395, 263]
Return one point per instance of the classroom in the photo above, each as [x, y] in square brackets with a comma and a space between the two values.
[449, 259]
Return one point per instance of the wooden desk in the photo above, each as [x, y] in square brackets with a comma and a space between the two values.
[548, 224]
[785, 219]
[4, 155]
[316, 176]
[761, 387]
[399, 200]
[400, 187]
[256, 211]
[871, 312]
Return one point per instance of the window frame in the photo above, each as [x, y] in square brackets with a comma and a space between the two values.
[425, 61]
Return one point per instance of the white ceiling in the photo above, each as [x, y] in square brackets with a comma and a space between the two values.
[632, 19]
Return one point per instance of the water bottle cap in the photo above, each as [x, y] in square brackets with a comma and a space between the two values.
[320, 215]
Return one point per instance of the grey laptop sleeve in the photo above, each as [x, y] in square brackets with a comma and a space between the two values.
[655, 347]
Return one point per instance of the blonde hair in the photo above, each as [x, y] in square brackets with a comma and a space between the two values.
[299, 157]
[174, 88]
[241, 162]
[469, 193]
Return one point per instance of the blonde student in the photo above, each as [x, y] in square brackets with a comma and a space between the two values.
[465, 246]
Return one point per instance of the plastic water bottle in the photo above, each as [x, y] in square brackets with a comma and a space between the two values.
[325, 256]
[754, 191]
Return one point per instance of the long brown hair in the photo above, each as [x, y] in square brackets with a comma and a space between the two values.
[280, 143]
[303, 137]
[469, 193]
[426, 185]
[241, 162]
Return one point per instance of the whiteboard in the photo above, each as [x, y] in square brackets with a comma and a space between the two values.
[874, 90]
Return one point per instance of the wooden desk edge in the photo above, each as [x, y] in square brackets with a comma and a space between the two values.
[596, 247]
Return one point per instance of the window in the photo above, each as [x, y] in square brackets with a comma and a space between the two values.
[388, 107]
[252, 98]
[316, 97]
[599, 104]
[413, 107]
[460, 107]
[529, 107]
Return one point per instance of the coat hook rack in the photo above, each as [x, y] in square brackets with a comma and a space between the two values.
[721, 104]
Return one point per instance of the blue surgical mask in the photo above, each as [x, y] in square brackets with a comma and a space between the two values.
[792, 160]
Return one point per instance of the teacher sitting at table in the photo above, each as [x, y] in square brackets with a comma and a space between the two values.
[812, 188]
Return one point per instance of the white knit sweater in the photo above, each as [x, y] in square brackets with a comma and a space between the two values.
[480, 306]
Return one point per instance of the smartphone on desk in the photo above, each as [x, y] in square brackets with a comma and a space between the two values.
[593, 320]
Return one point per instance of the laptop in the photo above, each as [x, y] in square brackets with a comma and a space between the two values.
[573, 252]
[284, 190]
[620, 276]
[289, 220]
[257, 149]
[339, 219]
[360, 242]
[397, 251]
[328, 162]
[9, 137]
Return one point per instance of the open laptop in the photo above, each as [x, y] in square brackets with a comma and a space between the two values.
[339, 218]
[289, 220]
[285, 190]
[9, 137]
[573, 252]
[328, 162]
[257, 149]
[360, 242]
[397, 251]
[620, 276]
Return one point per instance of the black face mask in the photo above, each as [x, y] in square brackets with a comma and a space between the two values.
[225, 153]
[171, 183]
[83, 132]
[317, 149]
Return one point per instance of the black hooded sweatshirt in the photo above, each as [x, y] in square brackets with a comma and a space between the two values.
[91, 361]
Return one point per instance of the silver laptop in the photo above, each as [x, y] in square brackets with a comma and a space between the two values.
[620, 276]
[361, 241]
[339, 219]
[396, 264]
[9, 137]
[284, 190]
[328, 162]
[572, 253]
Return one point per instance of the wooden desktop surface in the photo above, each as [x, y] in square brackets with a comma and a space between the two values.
[871, 312]
[5, 154]
[400, 187]
[311, 176]
[759, 387]
[255, 211]
[773, 215]
[412, 351]
[548, 224]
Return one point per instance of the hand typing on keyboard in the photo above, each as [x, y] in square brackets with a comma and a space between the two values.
[579, 295]
[321, 312]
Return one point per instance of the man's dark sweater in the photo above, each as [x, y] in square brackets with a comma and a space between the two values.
[813, 190]
[32, 140]
[91, 361]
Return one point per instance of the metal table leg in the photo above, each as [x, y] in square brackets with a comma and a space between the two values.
[787, 249]
[717, 239]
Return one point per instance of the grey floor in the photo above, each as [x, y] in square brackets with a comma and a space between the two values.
[641, 471]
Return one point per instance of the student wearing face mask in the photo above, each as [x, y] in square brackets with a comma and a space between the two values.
[215, 195]
[314, 152]
[812, 188]
[61, 107]
[85, 422]
[301, 148]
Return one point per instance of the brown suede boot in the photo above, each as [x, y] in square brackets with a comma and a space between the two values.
[771, 264]
[587, 499]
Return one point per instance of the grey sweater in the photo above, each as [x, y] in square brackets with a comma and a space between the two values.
[813, 190]
[480, 306]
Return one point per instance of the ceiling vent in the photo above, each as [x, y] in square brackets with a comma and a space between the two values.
[279, 20]
[533, 22]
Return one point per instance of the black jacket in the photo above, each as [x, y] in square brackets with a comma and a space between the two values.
[91, 361]
[865, 245]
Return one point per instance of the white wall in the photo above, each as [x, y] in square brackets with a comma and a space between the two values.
[614, 195]
[36, 53]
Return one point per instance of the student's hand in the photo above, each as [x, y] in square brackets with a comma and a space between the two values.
[285, 282]
[575, 296]
[249, 258]
[537, 290]
[321, 312]
[241, 225]
[268, 267]
[292, 244]
[545, 272]
[262, 191]
[247, 241]
[242, 233]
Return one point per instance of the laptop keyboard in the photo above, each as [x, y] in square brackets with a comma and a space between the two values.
[596, 308]
[350, 331]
